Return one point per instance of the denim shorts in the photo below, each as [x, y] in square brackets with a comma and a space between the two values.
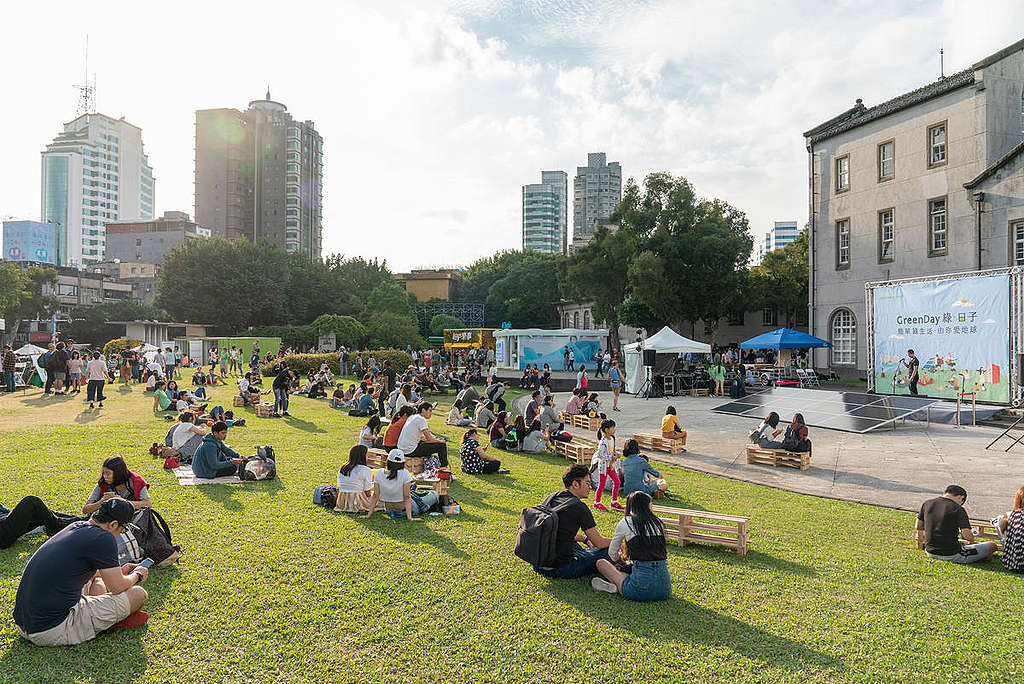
[649, 581]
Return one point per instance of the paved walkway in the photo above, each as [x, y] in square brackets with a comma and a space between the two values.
[898, 469]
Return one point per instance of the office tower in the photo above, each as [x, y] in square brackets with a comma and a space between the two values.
[597, 190]
[544, 213]
[259, 175]
[150, 241]
[93, 172]
[781, 234]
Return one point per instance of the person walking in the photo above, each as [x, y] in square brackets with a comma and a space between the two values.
[913, 371]
[599, 357]
[615, 382]
[9, 362]
[96, 377]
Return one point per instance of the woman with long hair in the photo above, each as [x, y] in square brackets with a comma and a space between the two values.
[1011, 531]
[514, 438]
[635, 469]
[670, 428]
[475, 460]
[394, 487]
[354, 488]
[498, 430]
[603, 465]
[116, 481]
[455, 416]
[370, 438]
[795, 438]
[644, 536]
[769, 431]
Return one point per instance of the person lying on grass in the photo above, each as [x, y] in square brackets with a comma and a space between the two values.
[574, 516]
[27, 515]
[941, 523]
[117, 481]
[354, 483]
[394, 488]
[475, 460]
[644, 536]
[214, 458]
[73, 587]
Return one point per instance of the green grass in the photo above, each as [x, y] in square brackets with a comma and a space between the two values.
[273, 588]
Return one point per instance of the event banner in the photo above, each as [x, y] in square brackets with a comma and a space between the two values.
[959, 330]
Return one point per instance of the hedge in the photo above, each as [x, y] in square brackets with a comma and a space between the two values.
[303, 363]
[117, 346]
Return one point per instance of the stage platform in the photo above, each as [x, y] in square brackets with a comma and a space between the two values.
[562, 381]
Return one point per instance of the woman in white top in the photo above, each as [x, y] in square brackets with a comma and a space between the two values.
[354, 483]
[75, 367]
[96, 377]
[394, 487]
[187, 436]
[603, 465]
[455, 416]
[404, 397]
[769, 432]
[369, 437]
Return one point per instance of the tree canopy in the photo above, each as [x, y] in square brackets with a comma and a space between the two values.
[780, 281]
[25, 294]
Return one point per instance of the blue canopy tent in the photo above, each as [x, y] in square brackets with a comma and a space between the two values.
[784, 338]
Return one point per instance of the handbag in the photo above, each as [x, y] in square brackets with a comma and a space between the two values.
[128, 548]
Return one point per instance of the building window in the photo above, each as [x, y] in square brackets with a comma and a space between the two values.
[843, 173]
[1022, 111]
[937, 144]
[937, 226]
[886, 160]
[1017, 234]
[843, 243]
[736, 318]
[768, 317]
[886, 236]
[843, 334]
[586, 319]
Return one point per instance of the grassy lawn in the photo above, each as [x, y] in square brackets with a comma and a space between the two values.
[273, 588]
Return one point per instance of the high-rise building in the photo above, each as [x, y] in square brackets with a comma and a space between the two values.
[781, 234]
[597, 190]
[259, 175]
[95, 171]
[149, 241]
[544, 213]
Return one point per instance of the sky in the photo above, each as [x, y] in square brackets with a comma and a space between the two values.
[435, 113]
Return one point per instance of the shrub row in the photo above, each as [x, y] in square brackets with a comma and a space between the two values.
[303, 363]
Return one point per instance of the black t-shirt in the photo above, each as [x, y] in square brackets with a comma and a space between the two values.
[573, 516]
[943, 519]
[390, 374]
[55, 575]
[59, 361]
[283, 380]
[912, 367]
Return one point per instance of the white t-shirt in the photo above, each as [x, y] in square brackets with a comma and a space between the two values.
[243, 385]
[181, 405]
[182, 433]
[391, 490]
[96, 370]
[356, 481]
[409, 439]
[767, 432]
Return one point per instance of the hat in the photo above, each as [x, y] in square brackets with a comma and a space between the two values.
[115, 509]
[396, 456]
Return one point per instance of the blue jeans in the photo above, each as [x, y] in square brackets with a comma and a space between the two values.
[9, 380]
[584, 562]
[649, 581]
[280, 400]
[421, 503]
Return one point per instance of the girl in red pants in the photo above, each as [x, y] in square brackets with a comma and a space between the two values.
[603, 464]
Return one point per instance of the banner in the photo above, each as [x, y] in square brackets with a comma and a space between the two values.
[959, 330]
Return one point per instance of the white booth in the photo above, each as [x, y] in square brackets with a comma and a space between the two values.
[665, 341]
[515, 349]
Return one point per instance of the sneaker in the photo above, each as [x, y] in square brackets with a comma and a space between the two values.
[101, 404]
[601, 507]
[601, 584]
[617, 506]
[616, 408]
[285, 413]
[502, 470]
[91, 405]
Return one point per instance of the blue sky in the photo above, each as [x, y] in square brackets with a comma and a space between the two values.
[434, 113]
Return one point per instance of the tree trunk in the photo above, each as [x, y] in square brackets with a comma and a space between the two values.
[613, 334]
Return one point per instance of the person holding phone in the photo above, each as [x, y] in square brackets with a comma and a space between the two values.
[73, 588]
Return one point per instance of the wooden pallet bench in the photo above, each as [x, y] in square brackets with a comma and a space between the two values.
[577, 451]
[264, 410]
[986, 532]
[658, 442]
[699, 392]
[688, 526]
[584, 422]
[378, 458]
[778, 457]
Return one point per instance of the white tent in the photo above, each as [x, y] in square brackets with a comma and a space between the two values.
[665, 341]
[29, 350]
[145, 347]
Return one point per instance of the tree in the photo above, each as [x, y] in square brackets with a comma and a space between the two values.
[440, 322]
[599, 272]
[518, 286]
[389, 330]
[347, 330]
[388, 297]
[780, 281]
[24, 294]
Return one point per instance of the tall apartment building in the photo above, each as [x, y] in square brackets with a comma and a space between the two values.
[149, 241]
[781, 234]
[94, 171]
[259, 175]
[545, 226]
[597, 190]
[928, 183]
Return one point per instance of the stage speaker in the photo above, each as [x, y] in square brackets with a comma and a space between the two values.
[650, 357]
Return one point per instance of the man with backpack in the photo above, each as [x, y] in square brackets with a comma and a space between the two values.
[495, 393]
[550, 534]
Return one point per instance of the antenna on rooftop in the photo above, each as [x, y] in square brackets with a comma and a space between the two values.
[86, 92]
[942, 66]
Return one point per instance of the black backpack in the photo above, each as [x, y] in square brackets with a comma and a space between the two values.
[536, 540]
[257, 468]
[153, 535]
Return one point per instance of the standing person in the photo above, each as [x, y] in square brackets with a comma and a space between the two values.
[73, 588]
[388, 381]
[171, 361]
[342, 360]
[222, 356]
[615, 382]
[233, 364]
[95, 377]
[572, 358]
[603, 464]
[942, 522]
[75, 365]
[565, 358]
[161, 361]
[212, 357]
[581, 378]
[10, 360]
[417, 441]
[59, 365]
[599, 357]
[281, 385]
[43, 361]
[913, 371]
[644, 536]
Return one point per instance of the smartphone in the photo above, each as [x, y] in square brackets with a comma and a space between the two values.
[147, 563]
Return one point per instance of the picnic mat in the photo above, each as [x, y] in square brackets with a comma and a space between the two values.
[186, 477]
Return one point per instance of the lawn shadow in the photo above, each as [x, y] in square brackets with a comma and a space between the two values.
[753, 559]
[224, 493]
[399, 530]
[305, 425]
[677, 620]
[87, 416]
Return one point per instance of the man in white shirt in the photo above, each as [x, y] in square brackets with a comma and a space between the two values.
[243, 388]
[416, 440]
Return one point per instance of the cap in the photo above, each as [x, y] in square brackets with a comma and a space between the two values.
[396, 456]
[115, 509]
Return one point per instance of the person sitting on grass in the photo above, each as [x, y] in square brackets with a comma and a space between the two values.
[635, 469]
[369, 437]
[571, 559]
[214, 458]
[161, 400]
[941, 523]
[533, 440]
[499, 431]
[337, 399]
[404, 396]
[475, 460]
[417, 441]
[455, 416]
[365, 405]
[484, 415]
[769, 431]
[533, 407]
[27, 515]
[73, 587]
[187, 436]
[670, 428]
[394, 430]
[199, 378]
[395, 489]
[644, 536]
[1011, 531]
[117, 481]
[354, 486]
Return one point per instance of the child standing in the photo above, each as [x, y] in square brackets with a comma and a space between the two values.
[603, 463]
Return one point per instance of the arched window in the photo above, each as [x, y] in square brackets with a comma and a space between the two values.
[565, 323]
[843, 336]
[576, 320]
[586, 319]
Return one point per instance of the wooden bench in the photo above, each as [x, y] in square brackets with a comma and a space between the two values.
[658, 442]
[699, 392]
[703, 526]
[378, 458]
[584, 422]
[263, 410]
[577, 451]
[778, 457]
[986, 532]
